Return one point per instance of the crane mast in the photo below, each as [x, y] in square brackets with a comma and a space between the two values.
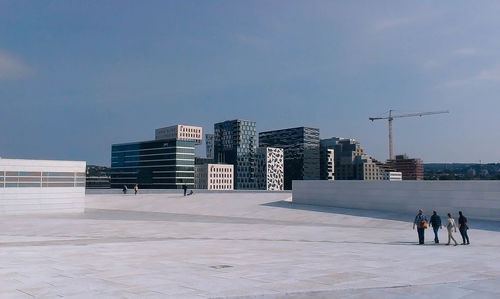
[391, 117]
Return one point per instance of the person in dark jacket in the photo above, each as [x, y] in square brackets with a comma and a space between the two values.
[421, 223]
[185, 187]
[436, 225]
[463, 227]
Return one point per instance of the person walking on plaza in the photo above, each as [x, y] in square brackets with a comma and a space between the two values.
[124, 189]
[450, 225]
[185, 187]
[136, 188]
[436, 225]
[421, 223]
[463, 227]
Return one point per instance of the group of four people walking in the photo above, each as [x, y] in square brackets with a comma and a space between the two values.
[421, 223]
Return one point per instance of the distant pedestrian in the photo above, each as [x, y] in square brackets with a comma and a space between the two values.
[463, 227]
[185, 187]
[436, 225]
[124, 189]
[136, 188]
[450, 226]
[421, 223]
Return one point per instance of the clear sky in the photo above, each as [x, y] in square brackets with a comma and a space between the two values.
[78, 76]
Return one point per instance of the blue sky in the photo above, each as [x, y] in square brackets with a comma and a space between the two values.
[78, 76]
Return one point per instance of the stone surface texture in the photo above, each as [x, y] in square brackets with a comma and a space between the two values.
[237, 244]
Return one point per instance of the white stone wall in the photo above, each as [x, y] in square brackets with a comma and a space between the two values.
[477, 199]
[41, 186]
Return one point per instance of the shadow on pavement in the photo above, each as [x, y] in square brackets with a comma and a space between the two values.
[473, 223]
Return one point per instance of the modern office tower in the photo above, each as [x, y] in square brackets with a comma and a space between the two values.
[156, 164]
[301, 152]
[214, 176]
[270, 171]
[235, 143]
[209, 142]
[180, 132]
[327, 158]
[412, 169]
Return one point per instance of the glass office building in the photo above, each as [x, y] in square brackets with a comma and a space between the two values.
[157, 164]
[301, 152]
[235, 142]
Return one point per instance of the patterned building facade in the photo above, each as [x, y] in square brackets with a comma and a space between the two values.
[270, 168]
[301, 152]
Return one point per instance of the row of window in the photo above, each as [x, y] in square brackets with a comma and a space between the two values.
[221, 187]
[21, 179]
[221, 175]
[41, 173]
[221, 181]
[43, 185]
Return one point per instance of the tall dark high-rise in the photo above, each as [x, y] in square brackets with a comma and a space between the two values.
[301, 152]
[235, 142]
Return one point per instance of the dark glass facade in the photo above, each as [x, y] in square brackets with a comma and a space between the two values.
[235, 142]
[301, 152]
[158, 164]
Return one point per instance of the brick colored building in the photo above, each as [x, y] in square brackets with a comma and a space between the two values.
[412, 169]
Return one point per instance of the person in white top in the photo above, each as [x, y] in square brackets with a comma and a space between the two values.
[450, 225]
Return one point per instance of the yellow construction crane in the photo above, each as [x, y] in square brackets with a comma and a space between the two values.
[391, 117]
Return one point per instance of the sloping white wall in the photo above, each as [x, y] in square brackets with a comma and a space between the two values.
[477, 199]
[25, 200]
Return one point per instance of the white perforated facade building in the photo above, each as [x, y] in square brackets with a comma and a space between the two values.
[270, 168]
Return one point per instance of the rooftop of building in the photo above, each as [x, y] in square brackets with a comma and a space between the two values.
[290, 129]
[237, 244]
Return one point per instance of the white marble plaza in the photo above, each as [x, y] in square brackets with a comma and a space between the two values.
[255, 245]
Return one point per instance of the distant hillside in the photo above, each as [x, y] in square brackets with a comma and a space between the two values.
[461, 171]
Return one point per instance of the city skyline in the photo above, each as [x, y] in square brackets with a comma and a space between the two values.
[77, 77]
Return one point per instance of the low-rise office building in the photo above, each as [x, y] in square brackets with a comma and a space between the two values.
[392, 175]
[180, 132]
[214, 177]
[41, 186]
[155, 164]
